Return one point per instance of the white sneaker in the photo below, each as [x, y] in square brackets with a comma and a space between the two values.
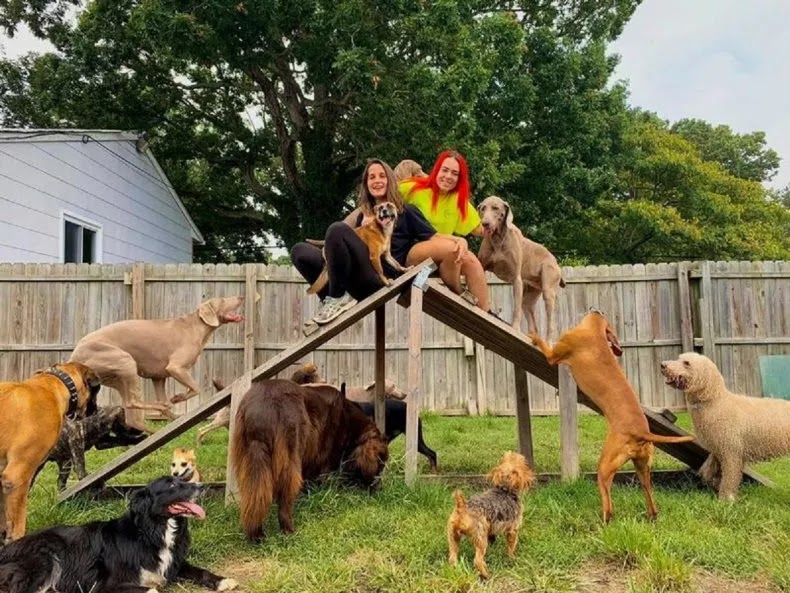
[331, 308]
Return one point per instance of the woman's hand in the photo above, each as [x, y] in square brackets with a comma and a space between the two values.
[461, 249]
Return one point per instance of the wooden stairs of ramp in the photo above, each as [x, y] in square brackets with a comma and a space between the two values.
[438, 302]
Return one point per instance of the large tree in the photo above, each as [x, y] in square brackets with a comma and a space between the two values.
[264, 111]
[670, 203]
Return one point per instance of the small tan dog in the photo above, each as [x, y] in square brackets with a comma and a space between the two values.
[377, 235]
[589, 349]
[184, 465]
[124, 351]
[736, 429]
[528, 266]
[407, 169]
[32, 413]
[495, 512]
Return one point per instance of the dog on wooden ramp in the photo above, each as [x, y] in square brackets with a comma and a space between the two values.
[32, 417]
[589, 349]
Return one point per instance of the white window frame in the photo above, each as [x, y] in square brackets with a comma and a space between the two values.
[66, 216]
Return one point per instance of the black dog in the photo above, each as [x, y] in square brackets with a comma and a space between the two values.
[104, 429]
[144, 549]
[395, 423]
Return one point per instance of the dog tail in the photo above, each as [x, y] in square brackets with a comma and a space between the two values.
[460, 501]
[660, 438]
[251, 461]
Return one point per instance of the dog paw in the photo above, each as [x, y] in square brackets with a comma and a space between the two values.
[227, 585]
[178, 398]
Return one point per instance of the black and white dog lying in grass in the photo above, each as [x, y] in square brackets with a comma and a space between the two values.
[143, 550]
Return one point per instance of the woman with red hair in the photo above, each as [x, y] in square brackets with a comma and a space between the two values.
[443, 197]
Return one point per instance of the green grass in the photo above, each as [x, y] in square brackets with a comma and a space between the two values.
[347, 541]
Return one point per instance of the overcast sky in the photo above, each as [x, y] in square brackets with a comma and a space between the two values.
[724, 61]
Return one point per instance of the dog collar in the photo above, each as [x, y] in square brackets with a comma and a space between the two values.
[71, 413]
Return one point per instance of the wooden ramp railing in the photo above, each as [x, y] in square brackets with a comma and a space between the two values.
[419, 293]
[494, 334]
[270, 368]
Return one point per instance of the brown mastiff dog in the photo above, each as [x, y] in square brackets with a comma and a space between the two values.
[30, 422]
[124, 351]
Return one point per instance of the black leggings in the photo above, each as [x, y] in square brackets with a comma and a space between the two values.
[348, 262]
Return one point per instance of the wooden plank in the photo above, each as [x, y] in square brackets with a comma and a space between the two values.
[379, 406]
[684, 305]
[524, 420]
[413, 400]
[269, 369]
[569, 425]
[239, 389]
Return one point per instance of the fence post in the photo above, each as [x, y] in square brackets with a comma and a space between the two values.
[523, 415]
[569, 443]
[706, 314]
[684, 303]
[250, 306]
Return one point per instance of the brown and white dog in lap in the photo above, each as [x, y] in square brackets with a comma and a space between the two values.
[31, 418]
[124, 351]
[528, 266]
[589, 349]
[377, 235]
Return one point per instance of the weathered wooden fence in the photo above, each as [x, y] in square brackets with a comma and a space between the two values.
[732, 311]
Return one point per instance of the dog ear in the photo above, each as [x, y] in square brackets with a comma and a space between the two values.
[614, 342]
[208, 314]
[371, 452]
[508, 213]
[218, 385]
[343, 391]
[141, 502]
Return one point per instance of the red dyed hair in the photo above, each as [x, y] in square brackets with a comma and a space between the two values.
[461, 190]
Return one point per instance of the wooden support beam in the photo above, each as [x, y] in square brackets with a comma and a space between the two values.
[414, 384]
[524, 419]
[569, 427]
[238, 390]
[379, 406]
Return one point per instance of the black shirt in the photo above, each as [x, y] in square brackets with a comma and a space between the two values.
[411, 228]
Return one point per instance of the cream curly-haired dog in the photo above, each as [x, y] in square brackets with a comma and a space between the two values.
[736, 429]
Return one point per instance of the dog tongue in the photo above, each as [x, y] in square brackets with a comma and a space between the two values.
[234, 318]
[187, 508]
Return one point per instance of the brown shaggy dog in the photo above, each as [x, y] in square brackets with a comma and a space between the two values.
[736, 429]
[495, 512]
[286, 434]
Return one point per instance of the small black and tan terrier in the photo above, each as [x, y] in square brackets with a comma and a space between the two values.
[495, 512]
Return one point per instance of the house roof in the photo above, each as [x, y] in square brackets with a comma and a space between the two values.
[70, 135]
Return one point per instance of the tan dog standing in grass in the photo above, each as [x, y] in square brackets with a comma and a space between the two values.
[736, 429]
[589, 349]
[497, 511]
[32, 413]
[184, 465]
[528, 266]
[124, 351]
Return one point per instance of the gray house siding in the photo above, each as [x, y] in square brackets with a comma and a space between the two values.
[104, 182]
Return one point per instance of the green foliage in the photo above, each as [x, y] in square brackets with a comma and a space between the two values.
[670, 203]
[743, 155]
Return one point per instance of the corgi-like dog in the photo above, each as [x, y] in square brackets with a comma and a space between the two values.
[184, 465]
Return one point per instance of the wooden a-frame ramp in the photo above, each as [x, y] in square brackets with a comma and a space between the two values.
[420, 293]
